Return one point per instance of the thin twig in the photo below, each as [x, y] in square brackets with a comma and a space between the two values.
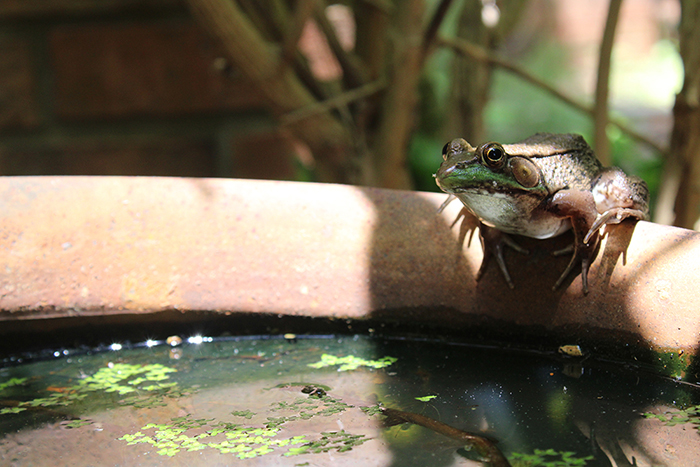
[479, 53]
[434, 26]
[333, 103]
[600, 107]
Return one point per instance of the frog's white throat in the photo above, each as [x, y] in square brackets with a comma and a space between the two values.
[501, 211]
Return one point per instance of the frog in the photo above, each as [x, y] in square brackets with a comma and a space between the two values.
[539, 187]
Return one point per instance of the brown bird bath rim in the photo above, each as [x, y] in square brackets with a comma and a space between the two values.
[79, 250]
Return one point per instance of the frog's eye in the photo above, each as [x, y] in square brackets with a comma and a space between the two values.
[454, 147]
[444, 151]
[525, 172]
[493, 155]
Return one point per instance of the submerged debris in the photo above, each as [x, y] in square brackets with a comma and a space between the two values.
[483, 446]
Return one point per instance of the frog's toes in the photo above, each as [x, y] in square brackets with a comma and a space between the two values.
[612, 216]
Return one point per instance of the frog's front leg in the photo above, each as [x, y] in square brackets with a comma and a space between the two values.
[492, 243]
[579, 207]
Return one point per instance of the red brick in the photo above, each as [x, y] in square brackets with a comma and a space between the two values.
[14, 9]
[166, 158]
[162, 69]
[264, 156]
[18, 103]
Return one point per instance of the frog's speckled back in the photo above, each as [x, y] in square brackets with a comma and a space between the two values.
[566, 160]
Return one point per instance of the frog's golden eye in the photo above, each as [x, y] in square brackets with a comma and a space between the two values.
[493, 155]
[525, 172]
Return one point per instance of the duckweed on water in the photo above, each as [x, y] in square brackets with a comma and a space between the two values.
[305, 409]
[340, 441]
[244, 413]
[351, 362]
[247, 442]
[120, 378]
[678, 417]
[76, 423]
[12, 382]
[548, 458]
[227, 438]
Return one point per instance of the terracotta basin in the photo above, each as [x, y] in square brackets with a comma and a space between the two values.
[83, 254]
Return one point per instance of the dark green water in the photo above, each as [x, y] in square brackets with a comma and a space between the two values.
[280, 401]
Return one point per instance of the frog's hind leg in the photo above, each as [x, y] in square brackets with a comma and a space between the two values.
[618, 196]
[613, 216]
[579, 207]
[585, 252]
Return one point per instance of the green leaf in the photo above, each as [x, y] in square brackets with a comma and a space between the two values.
[425, 398]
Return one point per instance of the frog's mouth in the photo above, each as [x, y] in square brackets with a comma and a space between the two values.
[490, 189]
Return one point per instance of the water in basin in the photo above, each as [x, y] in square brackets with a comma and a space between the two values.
[339, 400]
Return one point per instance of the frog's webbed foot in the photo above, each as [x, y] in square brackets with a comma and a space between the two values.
[492, 242]
[449, 199]
[612, 216]
[469, 221]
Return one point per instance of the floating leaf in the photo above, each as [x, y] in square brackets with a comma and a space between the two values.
[425, 398]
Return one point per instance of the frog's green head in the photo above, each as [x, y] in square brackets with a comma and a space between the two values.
[488, 169]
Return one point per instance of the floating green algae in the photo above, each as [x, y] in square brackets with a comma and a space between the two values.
[351, 362]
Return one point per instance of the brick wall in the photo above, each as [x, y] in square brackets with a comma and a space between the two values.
[126, 87]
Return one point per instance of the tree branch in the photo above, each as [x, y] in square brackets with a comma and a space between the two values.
[398, 106]
[434, 26]
[334, 102]
[600, 108]
[260, 61]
